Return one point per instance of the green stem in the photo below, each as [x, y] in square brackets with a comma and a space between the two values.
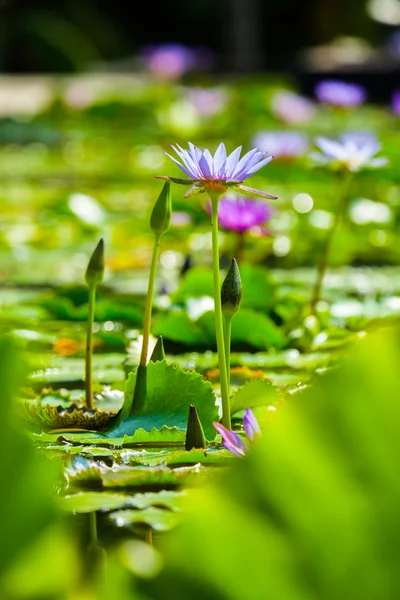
[89, 349]
[227, 342]
[219, 330]
[93, 527]
[149, 302]
[323, 263]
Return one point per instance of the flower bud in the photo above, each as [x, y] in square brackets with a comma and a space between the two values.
[95, 270]
[231, 291]
[158, 351]
[194, 434]
[161, 216]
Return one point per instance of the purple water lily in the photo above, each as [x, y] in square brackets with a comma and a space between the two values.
[208, 101]
[340, 93]
[232, 441]
[168, 61]
[215, 174]
[283, 144]
[396, 102]
[241, 214]
[354, 151]
[292, 108]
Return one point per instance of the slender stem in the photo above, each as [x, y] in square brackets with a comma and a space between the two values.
[93, 527]
[219, 330]
[89, 349]
[227, 342]
[149, 302]
[323, 263]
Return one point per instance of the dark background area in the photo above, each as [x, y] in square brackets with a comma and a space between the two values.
[244, 36]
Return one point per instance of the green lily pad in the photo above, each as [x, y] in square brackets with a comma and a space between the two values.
[254, 393]
[170, 392]
[156, 518]
[87, 502]
[54, 417]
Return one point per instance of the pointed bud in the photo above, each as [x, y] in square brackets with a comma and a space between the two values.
[194, 434]
[158, 351]
[231, 291]
[95, 270]
[161, 215]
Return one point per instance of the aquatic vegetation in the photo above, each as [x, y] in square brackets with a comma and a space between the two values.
[340, 93]
[241, 214]
[182, 373]
[284, 145]
[232, 441]
[215, 175]
[354, 151]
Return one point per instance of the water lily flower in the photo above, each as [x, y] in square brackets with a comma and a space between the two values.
[241, 214]
[282, 144]
[396, 102]
[232, 441]
[168, 61]
[292, 108]
[354, 151]
[340, 93]
[207, 102]
[216, 174]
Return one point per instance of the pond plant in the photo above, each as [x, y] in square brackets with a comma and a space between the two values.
[250, 399]
[351, 153]
[215, 175]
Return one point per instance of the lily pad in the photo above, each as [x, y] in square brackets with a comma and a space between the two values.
[170, 392]
[156, 518]
[254, 393]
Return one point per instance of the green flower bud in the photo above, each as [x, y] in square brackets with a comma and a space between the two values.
[195, 437]
[231, 291]
[95, 270]
[158, 351]
[161, 216]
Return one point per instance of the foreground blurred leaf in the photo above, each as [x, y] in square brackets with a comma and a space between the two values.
[312, 511]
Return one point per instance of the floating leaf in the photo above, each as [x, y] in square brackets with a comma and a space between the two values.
[254, 393]
[156, 518]
[87, 502]
[170, 392]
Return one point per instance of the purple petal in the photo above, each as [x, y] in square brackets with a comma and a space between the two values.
[259, 165]
[184, 169]
[230, 437]
[231, 162]
[329, 147]
[243, 162]
[250, 424]
[234, 449]
[219, 159]
[205, 169]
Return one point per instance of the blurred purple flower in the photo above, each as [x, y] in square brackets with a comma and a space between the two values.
[220, 172]
[354, 151]
[168, 61]
[251, 426]
[241, 214]
[340, 93]
[282, 144]
[208, 101]
[232, 441]
[292, 108]
[396, 102]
